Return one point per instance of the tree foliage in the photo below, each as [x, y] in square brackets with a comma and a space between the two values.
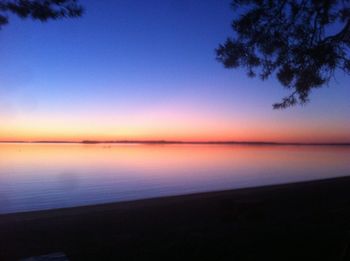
[42, 10]
[301, 42]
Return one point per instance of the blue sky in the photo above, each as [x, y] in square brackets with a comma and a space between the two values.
[137, 69]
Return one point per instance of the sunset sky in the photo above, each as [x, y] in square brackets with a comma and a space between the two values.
[147, 70]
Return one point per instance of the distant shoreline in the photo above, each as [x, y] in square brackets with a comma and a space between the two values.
[165, 142]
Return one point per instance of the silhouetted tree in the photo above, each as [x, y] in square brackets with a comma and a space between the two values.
[302, 42]
[42, 10]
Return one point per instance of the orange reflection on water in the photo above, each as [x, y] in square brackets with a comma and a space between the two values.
[41, 176]
[165, 157]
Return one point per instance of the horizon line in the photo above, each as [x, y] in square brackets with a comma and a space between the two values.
[228, 142]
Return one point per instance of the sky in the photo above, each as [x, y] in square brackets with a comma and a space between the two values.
[147, 70]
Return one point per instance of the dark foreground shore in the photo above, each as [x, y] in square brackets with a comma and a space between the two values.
[302, 221]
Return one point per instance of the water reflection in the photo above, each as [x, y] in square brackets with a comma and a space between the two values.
[43, 176]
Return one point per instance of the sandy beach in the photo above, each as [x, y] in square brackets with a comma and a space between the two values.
[300, 221]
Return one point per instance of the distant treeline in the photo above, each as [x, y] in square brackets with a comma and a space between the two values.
[185, 142]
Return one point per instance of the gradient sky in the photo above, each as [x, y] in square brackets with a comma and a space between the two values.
[147, 70]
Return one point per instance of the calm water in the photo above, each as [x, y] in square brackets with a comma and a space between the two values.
[45, 176]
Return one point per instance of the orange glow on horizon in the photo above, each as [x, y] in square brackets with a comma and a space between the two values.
[169, 126]
[263, 135]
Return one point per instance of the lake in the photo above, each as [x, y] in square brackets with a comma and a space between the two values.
[47, 176]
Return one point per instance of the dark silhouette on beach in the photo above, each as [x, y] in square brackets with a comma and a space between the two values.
[303, 221]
